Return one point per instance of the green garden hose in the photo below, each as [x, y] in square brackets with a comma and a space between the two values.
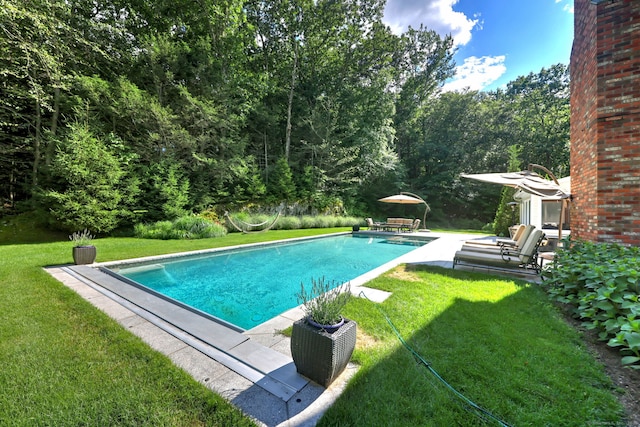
[479, 411]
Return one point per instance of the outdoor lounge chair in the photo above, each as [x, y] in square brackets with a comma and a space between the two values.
[501, 250]
[525, 260]
[519, 239]
[372, 225]
[414, 225]
[515, 231]
[498, 247]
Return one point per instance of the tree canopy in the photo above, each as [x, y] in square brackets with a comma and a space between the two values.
[114, 112]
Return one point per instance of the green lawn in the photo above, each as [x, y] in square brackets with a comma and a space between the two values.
[498, 342]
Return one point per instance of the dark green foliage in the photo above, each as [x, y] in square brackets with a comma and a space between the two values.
[215, 95]
[506, 214]
[92, 189]
[173, 191]
[540, 124]
[280, 186]
[602, 284]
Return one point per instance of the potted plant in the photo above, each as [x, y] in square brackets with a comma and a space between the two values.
[83, 251]
[323, 341]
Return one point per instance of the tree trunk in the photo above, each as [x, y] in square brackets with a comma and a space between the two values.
[36, 145]
[50, 149]
[287, 146]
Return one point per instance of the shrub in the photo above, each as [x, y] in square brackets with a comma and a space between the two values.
[308, 221]
[488, 228]
[158, 230]
[186, 227]
[602, 283]
[195, 227]
[348, 221]
[324, 221]
[92, 188]
[211, 215]
[288, 223]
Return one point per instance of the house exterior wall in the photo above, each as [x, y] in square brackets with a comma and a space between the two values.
[605, 121]
[531, 209]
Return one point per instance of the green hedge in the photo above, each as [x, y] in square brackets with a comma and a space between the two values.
[602, 284]
[186, 227]
[287, 222]
[199, 227]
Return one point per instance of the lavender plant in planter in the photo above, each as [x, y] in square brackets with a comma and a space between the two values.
[322, 342]
[83, 251]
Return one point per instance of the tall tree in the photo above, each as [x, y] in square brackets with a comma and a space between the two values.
[423, 62]
[541, 117]
[92, 188]
[40, 51]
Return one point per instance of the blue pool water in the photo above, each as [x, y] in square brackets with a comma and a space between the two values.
[249, 286]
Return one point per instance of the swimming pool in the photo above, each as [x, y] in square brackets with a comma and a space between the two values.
[247, 286]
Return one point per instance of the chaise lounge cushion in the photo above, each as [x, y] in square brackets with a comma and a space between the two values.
[526, 257]
[500, 243]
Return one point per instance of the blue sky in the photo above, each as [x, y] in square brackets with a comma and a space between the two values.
[496, 40]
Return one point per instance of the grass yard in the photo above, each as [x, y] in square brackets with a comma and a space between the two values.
[66, 363]
[498, 342]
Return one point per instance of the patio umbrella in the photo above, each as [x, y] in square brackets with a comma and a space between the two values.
[406, 198]
[529, 182]
[401, 199]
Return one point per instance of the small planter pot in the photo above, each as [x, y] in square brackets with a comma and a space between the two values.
[84, 254]
[320, 355]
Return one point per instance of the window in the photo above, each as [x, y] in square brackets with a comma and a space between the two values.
[551, 215]
[525, 212]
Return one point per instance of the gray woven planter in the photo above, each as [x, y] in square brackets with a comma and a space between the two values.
[319, 355]
[84, 254]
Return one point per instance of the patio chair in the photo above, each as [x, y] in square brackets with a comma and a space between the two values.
[498, 247]
[519, 239]
[525, 260]
[372, 225]
[414, 225]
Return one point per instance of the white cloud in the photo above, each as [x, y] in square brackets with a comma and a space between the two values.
[436, 15]
[476, 73]
[567, 5]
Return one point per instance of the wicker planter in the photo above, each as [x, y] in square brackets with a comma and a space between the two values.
[84, 254]
[319, 355]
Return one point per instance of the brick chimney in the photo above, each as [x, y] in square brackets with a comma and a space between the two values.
[605, 121]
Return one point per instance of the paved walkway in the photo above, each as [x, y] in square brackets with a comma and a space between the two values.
[252, 369]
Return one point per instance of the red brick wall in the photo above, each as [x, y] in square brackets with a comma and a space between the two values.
[605, 121]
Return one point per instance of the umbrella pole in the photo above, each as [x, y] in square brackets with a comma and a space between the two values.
[426, 206]
[548, 172]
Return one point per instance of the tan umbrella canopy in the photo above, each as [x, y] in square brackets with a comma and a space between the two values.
[401, 199]
[529, 182]
[406, 198]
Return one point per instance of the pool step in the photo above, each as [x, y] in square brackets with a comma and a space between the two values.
[262, 365]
